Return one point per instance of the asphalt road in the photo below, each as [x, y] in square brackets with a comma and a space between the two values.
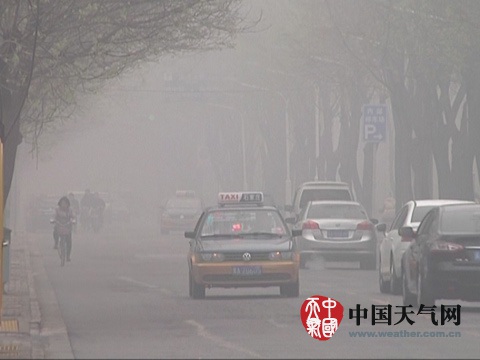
[125, 295]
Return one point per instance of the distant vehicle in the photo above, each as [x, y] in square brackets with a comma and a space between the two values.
[443, 261]
[318, 191]
[337, 230]
[241, 243]
[39, 212]
[393, 245]
[181, 212]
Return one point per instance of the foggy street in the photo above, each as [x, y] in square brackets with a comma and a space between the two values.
[240, 179]
[125, 295]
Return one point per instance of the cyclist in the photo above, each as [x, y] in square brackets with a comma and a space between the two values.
[64, 219]
[75, 205]
[86, 205]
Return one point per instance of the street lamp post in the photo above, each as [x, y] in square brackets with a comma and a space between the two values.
[244, 154]
[288, 181]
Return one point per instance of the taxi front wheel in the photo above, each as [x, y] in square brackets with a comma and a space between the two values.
[196, 291]
[290, 290]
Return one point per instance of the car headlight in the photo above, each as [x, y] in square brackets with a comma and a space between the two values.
[280, 255]
[213, 257]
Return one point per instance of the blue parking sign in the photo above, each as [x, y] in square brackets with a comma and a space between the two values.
[374, 122]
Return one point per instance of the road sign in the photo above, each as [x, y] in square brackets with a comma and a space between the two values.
[374, 122]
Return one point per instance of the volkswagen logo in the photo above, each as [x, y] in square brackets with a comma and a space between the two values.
[247, 256]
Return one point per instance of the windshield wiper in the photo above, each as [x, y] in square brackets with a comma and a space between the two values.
[261, 234]
[219, 236]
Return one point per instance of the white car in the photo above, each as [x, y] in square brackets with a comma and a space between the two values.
[393, 245]
[337, 230]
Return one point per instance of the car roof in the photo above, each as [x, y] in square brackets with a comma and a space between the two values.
[324, 183]
[249, 207]
[334, 202]
[439, 202]
[473, 206]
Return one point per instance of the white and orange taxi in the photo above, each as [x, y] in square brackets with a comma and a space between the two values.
[241, 243]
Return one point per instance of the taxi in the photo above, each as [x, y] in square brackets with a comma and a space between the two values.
[242, 243]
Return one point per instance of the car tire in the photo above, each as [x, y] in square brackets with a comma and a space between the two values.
[395, 281]
[369, 262]
[407, 297]
[384, 285]
[424, 292]
[290, 290]
[197, 290]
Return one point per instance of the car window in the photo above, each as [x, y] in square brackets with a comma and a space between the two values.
[336, 211]
[461, 221]
[425, 224]
[400, 219]
[419, 213]
[323, 194]
[232, 222]
[433, 228]
[180, 203]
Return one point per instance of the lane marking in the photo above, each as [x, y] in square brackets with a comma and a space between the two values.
[201, 331]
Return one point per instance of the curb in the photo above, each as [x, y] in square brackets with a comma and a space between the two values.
[46, 324]
[35, 315]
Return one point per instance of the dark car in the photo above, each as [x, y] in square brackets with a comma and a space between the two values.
[443, 260]
[181, 212]
[242, 243]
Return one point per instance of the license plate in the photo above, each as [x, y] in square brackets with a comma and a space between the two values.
[476, 255]
[247, 270]
[337, 233]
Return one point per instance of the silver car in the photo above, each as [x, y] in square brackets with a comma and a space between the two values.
[339, 231]
[393, 244]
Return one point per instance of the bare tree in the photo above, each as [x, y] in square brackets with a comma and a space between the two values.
[52, 50]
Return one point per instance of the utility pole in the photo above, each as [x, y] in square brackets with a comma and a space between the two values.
[2, 138]
[317, 129]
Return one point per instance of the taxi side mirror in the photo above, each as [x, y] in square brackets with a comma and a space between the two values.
[190, 234]
[296, 232]
[290, 220]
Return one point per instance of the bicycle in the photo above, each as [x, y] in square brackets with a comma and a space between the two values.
[62, 241]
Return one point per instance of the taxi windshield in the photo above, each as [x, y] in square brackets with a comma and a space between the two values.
[243, 223]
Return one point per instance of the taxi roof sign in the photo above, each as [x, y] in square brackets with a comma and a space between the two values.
[239, 198]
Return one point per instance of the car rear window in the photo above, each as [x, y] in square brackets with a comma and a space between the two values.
[419, 213]
[334, 211]
[324, 194]
[184, 204]
[461, 221]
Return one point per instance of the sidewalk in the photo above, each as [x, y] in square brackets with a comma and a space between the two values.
[32, 326]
